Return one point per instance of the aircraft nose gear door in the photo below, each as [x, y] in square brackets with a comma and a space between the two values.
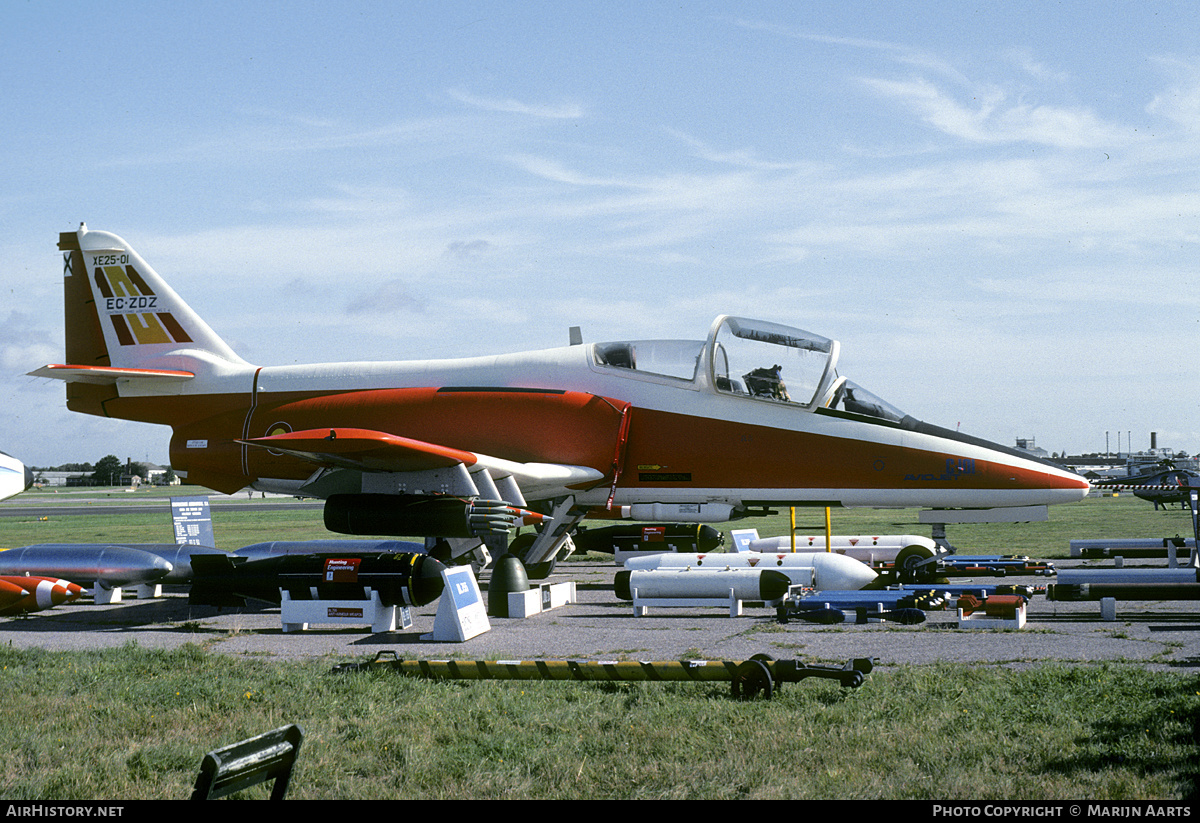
[539, 553]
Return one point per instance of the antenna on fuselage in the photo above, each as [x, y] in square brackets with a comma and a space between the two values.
[576, 336]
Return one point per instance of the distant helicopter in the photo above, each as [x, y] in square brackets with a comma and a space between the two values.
[1161, 488]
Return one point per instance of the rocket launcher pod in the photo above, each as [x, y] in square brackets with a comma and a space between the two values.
[421, 515]
[400, 579]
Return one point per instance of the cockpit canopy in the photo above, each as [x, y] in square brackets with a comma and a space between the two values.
[769, 361]
[753, 359]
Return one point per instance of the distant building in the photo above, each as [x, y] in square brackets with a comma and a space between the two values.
[1028, 444]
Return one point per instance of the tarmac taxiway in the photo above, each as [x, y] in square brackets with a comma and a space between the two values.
[1157, 635]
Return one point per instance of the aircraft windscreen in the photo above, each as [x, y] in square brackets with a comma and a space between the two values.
[769, 361]
[669, 358]
[852, 397]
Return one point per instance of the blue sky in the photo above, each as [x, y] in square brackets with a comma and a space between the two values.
[993, 206]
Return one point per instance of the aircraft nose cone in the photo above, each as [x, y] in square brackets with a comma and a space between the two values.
[28, 477]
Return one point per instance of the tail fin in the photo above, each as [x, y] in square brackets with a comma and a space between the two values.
[124, 323]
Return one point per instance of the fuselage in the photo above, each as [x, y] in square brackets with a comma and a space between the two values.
[688, 443]
[753, 415]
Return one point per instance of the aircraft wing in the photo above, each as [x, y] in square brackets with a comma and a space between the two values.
[108, 375]
[374, 451]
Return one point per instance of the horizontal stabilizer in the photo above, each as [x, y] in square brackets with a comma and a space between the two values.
[109, 375]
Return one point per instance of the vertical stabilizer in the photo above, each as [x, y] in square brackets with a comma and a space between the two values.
[127, 331]
[142, 322]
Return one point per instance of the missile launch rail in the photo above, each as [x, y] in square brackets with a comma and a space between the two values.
[760, 675]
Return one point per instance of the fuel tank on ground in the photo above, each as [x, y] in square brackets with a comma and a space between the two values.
[107, 564]
[179, 555]
[744, 583]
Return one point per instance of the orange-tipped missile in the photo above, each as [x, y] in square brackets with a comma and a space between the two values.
[10, 593]
[37, 593]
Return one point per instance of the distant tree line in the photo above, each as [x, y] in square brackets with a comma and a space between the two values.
[107, 471]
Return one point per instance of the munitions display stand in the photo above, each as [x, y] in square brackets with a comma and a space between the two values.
[541, 598]
[981, 620]
[461, 613]
[642, 605]
[298, 615]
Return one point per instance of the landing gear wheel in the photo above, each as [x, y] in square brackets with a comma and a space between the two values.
[908, 563]
[750, 679]
[520, 547]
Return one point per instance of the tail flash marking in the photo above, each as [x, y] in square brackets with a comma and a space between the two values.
[122, 289]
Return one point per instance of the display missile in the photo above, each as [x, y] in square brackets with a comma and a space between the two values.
[423, 515]
[867, 548]
[828, 571]
[662, 537]
[1186, 574]
[744, 583]
[1123, 591]
[257, 551]
[10, 593]
[108, 565]
[178, 555]
[399, 578]
[37, 593]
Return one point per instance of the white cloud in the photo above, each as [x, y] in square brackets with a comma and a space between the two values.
[992, 117]
[560, 111]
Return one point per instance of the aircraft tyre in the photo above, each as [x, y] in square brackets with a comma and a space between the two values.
[750, 679]
[520, 547]
[908, 562]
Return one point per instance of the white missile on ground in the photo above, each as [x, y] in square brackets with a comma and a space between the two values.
[108, 566]
[711, 583]
[867, 548]
[821, 570]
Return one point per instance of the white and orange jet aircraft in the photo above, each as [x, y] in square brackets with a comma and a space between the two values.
[754, 415]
